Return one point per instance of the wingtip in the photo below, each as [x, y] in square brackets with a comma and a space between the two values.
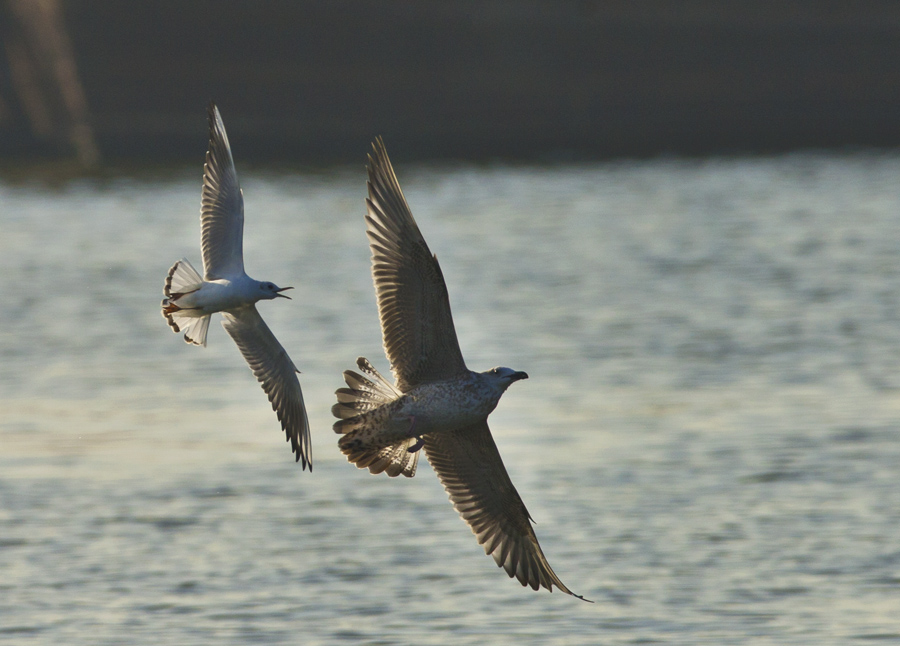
[378, 155]
[307, 462]
[301, 445]
[559, 586]
[216, 124]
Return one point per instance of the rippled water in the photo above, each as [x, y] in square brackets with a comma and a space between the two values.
[708, 441]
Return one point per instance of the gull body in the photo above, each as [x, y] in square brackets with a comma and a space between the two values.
[436, 402]
[191, 299]
[223, 295]
[434, 407]
[448, 405]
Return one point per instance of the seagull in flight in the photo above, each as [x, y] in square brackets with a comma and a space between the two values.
[437, 402]
[191, 300]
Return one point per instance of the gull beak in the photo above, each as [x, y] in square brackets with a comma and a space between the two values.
[280, 295]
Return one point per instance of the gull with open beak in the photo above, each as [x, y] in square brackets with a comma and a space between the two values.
[191, 299]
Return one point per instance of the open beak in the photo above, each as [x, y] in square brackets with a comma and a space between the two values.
[280, 295]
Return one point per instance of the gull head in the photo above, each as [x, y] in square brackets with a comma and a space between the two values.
[268, 291]
[502, 377]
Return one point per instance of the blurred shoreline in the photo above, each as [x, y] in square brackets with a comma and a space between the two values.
[305, 82]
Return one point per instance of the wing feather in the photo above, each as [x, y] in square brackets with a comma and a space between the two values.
[416, 323]
[274, 369]
[469, 466]
[222, 207]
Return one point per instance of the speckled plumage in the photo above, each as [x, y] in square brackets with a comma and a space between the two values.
[436, 397]
[372, 424]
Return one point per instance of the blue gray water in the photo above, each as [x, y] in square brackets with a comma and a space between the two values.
[709, 440]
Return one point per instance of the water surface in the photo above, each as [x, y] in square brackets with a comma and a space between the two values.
[708, 440]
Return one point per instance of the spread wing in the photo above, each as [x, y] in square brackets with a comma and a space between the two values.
[416, 324]
[222, 207]
[274, 369]
[469, 466]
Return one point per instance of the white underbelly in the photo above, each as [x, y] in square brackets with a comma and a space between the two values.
[213, 297]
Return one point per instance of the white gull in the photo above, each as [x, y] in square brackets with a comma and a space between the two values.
[437, 401]
[191, 299]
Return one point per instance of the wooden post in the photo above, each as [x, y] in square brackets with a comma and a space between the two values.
[45, 78]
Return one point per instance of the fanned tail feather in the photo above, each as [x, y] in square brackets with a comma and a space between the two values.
[184, 279]
[363, 395]
[361, 420]
[194, 328]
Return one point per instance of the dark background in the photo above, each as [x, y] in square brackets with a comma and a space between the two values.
[545, 80]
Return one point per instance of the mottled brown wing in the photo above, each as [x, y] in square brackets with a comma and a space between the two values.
[274, 369]
[469, 466]
[222, 207]
[416, 324]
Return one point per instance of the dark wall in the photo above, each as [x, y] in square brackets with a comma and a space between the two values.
[316, 81]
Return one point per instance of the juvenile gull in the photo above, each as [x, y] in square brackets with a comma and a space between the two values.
[437, 402]
[191, 300]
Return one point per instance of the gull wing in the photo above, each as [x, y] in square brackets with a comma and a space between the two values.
[274, 369]
[416, 324]
[468, 464]
[222, 207]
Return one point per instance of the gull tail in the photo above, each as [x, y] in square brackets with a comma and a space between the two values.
[184, 279]
[364, 419]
